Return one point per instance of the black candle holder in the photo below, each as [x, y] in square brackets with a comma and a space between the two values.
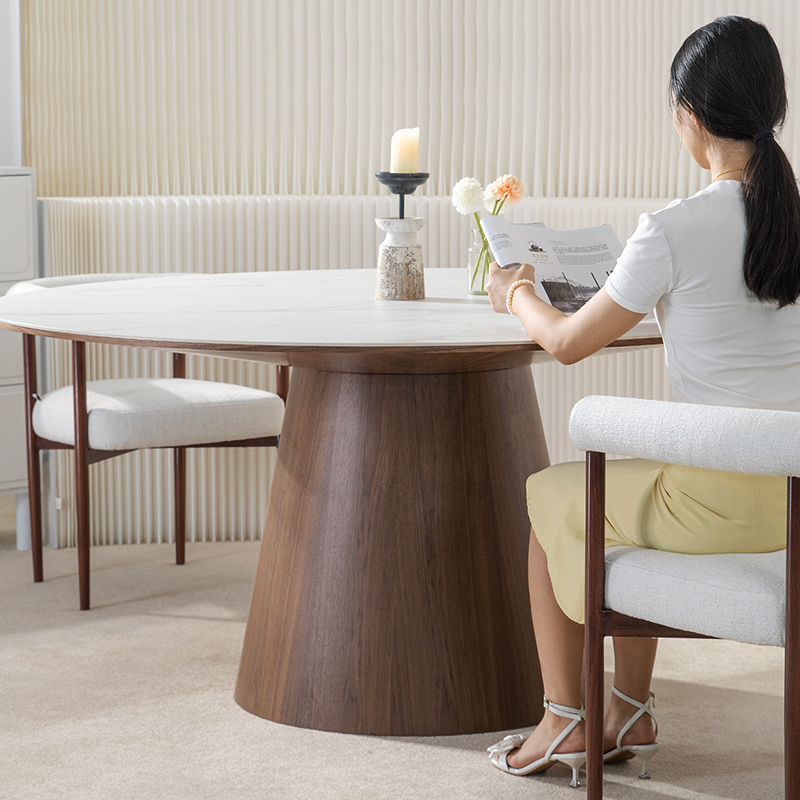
[402, 183]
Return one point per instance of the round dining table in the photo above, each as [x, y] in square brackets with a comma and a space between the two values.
[391, 590]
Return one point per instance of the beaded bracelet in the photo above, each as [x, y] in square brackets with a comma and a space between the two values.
[513, 288]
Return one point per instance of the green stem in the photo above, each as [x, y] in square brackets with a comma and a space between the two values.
[484, 256]
[475, 272]
[481, 261]
[480, 230]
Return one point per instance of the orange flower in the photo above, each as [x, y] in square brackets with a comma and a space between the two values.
[506, 189]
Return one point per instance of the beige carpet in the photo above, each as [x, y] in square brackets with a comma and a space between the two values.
[134, 699]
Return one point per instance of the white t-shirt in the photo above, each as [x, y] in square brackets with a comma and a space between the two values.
[723, 346]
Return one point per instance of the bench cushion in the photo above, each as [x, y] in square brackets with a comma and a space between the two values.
[741, 597]
[135, 413]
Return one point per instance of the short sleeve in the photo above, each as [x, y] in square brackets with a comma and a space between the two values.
[643, 274]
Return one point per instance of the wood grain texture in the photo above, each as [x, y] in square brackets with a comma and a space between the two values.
[595, 595]
[399, 359]
[791, 722]
[179, 476]
[308, 355]
[282, 382]
[616, 624]
[416, 361]
[179, 495]
[34, 469]
[81, 468]
[391, 592]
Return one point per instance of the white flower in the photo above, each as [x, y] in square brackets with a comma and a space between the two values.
[468, 196]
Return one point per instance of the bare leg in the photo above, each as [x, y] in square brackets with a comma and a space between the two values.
[559, 641]
[633, 670]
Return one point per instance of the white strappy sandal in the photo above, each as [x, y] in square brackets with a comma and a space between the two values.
[575, 761]
[644, 751]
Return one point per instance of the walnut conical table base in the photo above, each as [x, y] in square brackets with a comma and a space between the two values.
[391, 595]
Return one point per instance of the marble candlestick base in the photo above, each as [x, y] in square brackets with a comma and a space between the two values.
[400, 268]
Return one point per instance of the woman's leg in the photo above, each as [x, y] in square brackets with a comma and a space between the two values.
[633, 670]
[560, 641]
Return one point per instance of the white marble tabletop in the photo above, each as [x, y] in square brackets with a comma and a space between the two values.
[271, 311]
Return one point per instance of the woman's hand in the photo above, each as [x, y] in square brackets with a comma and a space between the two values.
[500, 280]
[568, 339]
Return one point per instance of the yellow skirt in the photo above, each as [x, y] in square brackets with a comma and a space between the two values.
[648, 504]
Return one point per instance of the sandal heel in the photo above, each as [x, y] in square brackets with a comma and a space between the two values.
[645, 752]
[575, 761]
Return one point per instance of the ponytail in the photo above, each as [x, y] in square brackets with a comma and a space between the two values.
[772, 212]
[729, 75]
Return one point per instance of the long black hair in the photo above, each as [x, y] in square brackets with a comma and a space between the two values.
[729, 75]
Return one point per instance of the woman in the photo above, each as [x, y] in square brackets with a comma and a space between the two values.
[722, 270]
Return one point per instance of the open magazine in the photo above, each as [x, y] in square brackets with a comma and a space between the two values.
[571, 266]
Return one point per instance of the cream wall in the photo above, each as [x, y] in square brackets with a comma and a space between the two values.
[287, 107]
[164, 97]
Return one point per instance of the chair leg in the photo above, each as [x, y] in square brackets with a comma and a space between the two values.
[791, 730]
[81, 468]
[594, 667]
[35, 509]
[179, 476]
[34, 471]
[282, 378]
[594, 712]
[180, 504]
[791, 722]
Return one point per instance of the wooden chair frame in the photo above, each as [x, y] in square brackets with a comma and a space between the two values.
[85, 456]
[601, 622]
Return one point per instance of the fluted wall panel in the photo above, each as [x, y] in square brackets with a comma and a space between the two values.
[167, 97]
[254, 233]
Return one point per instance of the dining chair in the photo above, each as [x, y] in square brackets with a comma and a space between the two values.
[102, 419]
[632, 591]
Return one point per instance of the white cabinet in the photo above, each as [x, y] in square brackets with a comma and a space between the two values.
[13, 467]
[18, 262]
[17, 226]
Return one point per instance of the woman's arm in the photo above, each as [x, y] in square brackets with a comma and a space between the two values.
[568, 339]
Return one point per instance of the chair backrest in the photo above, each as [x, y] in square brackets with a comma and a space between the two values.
[754, 441]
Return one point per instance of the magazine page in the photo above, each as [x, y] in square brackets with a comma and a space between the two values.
[571, 265]
[508, 240]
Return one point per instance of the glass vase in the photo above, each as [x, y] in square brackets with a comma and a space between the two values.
[477, 263]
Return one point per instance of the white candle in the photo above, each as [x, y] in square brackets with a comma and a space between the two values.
[405, 150]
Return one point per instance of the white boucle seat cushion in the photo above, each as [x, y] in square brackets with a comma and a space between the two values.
[134, 413]
[738, 596]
